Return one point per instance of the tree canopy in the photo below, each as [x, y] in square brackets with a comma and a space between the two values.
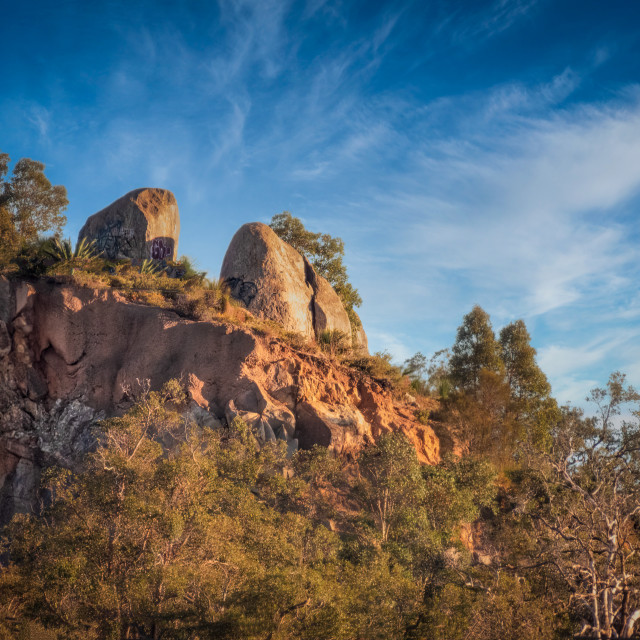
[502, 394]
[475, 349]
[171, 530]
[29, 205]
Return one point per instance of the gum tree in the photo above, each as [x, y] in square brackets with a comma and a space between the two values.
[29, 205]
[585, 504]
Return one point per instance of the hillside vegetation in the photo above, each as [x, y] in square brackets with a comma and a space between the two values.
[174, 530]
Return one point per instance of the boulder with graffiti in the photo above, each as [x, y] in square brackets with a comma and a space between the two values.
[144, 223]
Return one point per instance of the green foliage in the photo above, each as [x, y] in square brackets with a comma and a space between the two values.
[29, 206]
[474, 350]
[149, 267]
[465, 486]
[187, 268]
[391, 482]
[444, 388]
[324, 252]
[485, 418]
[507, 609]
[62, 251]
[501, 396]
[33, 258]
[175, 531]
[530, 389]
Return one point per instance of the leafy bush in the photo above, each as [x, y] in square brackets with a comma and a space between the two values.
[33, 258]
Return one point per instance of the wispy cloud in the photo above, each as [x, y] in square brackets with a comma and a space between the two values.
[40, 119]
[514, 194]
[463, 27]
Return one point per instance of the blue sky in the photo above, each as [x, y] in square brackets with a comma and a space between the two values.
[467, 152]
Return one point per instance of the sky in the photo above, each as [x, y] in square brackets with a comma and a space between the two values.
[470, 152]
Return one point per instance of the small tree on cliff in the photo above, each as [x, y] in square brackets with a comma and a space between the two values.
[324, 252]
[29, 205]
[475, 349]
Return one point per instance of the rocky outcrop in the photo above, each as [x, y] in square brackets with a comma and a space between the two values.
[75, 354]
[359, 336]
[144, 223]
[276, 283]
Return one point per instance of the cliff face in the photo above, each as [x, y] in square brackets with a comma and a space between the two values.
[69, 354]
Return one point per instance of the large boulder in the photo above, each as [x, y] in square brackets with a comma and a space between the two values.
[144, 223]
[276, 283]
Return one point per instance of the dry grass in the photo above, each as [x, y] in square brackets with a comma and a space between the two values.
[197, 298]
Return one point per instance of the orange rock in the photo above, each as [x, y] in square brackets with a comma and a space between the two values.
[90, 345]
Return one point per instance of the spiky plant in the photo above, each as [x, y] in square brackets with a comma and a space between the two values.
[149, 268]
[62, 250]
[220, 293]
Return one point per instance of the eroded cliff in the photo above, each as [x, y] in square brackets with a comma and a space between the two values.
[69, 355]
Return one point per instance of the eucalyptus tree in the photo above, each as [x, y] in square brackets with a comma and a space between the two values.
[584, 501]
[475, 349]
[29, 205]
[534, 407]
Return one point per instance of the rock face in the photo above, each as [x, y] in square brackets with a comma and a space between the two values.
[276, 283]
[74, 352]
[144, 223]
[360, 337]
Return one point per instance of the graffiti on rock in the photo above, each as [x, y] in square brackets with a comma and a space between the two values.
[161, 248]
[242, 290]
[114, 240]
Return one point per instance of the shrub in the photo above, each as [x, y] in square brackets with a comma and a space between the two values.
[378, 366]
[334, 342]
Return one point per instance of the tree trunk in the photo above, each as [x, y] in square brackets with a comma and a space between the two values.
[627, 632]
